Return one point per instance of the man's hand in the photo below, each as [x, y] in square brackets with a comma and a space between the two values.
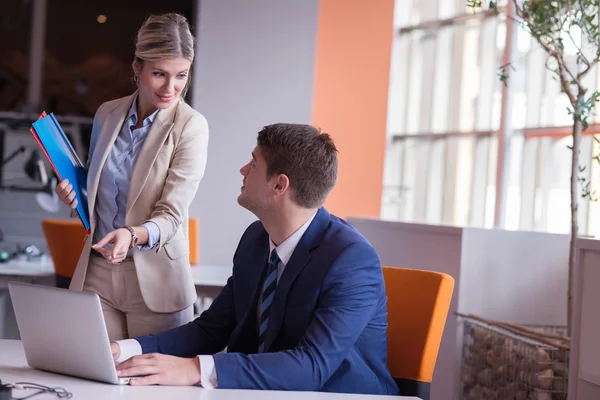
[120, 239]
[115, 350]
[160, 369]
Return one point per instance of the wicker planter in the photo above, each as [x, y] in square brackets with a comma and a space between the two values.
[501, 364]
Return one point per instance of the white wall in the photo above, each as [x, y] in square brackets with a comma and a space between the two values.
[254, 66]
[512, 276]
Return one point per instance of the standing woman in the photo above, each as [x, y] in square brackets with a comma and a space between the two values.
[147, 156]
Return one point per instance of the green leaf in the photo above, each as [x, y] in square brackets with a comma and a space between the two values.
[473, 4]
[503, 75]
[584, 108]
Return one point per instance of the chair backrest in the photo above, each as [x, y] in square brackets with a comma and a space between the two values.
[418, 303]
[193, 238]
[65, 239]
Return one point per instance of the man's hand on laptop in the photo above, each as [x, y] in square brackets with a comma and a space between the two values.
[160, 369]
[116, 350]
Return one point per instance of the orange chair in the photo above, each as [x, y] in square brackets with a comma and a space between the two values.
[65, 242]
[65, 239]
[418, 303]
[193, 238]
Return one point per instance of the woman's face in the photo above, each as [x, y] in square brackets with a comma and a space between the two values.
[161, 82]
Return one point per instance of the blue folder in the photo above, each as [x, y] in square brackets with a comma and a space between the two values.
[64, 160]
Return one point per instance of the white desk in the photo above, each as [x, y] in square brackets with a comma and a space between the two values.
[14, 368]
[203, 275]
[208, 279]
[211, 275]
[39, 271]
[22, 267]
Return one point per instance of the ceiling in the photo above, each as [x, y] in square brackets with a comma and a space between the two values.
[86, 63]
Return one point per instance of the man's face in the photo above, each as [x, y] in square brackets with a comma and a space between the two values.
[255, 190]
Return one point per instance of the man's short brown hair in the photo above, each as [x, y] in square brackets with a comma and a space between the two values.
[305, 155]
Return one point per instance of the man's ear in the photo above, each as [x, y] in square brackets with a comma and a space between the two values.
[282, 183]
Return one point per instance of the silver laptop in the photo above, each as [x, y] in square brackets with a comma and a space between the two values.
[64, 332]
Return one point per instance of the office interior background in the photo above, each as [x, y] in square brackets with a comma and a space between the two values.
[428, 134]
[443, 105]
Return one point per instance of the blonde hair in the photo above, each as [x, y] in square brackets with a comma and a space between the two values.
[165, 36]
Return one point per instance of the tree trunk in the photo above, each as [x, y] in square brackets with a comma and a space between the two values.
[574, 226]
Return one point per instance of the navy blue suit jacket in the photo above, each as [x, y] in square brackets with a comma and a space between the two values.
[327, 326]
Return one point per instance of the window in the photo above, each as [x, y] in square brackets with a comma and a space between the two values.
[445, 143]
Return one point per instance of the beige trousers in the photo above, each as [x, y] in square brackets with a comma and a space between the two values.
[125, 313]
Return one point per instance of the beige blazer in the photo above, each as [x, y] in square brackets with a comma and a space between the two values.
[163, 184]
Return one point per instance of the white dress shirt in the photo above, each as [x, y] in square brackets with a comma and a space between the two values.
[208, 373]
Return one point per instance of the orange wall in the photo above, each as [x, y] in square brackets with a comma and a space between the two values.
[354, 43]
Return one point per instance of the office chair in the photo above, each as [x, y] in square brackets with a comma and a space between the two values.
[418, 303]
[65, 239]
[65, 243]
[193, 237]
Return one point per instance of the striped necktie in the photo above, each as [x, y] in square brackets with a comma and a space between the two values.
[267, 299]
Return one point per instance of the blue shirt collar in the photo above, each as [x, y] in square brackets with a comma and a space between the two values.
[133, 114]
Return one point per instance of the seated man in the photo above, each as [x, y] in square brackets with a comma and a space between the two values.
[305, 307]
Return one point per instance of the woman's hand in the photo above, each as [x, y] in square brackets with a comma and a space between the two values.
[66, 194]
[120, 239]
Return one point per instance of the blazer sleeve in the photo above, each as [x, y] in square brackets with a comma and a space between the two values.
[184, 175]
[349, 298]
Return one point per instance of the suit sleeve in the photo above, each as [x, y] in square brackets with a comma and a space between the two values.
[184, 175]
[207, 334]
[349, 298]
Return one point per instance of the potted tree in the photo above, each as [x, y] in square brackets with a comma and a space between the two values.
[555, 25]
[552, 23]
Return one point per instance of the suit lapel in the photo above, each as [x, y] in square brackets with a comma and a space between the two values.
[108, 134]
[300, 258]
[162, 125]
